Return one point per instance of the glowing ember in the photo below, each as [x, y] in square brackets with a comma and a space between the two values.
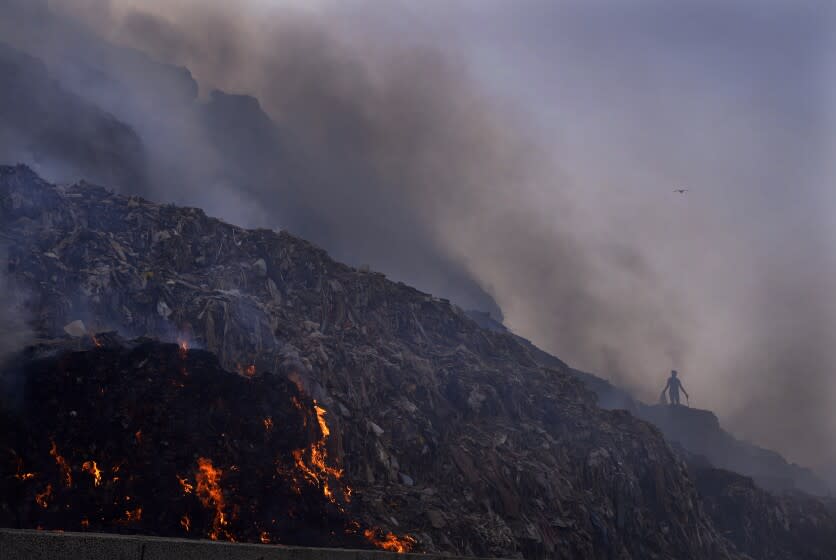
[138, 436]
[210, 494]
[250, 371]
[23, 475]
[96, 341]
[265, 537]
[184, 347]
[41, 497]
[186, 485]
[390, 541]
[186, 523]
[268, 423]
[85, 523]
[132, 516]
[93, 469]
[66, 473]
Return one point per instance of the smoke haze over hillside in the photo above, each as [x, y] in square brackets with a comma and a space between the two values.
[520, 159]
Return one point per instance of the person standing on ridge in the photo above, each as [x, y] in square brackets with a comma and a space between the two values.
[673, 387]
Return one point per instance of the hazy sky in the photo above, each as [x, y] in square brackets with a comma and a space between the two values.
[530, 149]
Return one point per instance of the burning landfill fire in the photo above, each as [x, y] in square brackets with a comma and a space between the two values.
[93, 469]
[66, 473]
[390, 542]
[41, 498]
[210, 494]
[316, 469]
[124, 488]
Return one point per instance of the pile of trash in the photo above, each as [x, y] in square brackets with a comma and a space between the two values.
[447, 433]
[154, 438]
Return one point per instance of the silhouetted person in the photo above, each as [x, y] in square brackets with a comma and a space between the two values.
[673, 387]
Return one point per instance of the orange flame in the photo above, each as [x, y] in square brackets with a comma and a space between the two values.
[85, 523]
[186, 485]
[62, 464]
[186, 523]
[96, 341]
[41, 497]
[131, 516]
[138, 436]
[390, 541]
[268, 423]
[23, 475]
[92, 468]
[210, 494]
[265, 537]
[323, 425]
[317, 469]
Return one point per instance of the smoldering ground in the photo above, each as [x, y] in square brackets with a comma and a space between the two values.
[413, 147]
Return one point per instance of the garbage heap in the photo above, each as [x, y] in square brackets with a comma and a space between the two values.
[447, 433]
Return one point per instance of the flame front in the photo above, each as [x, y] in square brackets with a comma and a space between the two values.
[186, 485]
[316, 469]
[186, 523]
[20, 475]
[42, 497]
[390, 541]
[66, 473]
[92, 468]
[211, 496]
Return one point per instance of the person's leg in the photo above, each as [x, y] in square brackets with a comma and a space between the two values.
[674, 398]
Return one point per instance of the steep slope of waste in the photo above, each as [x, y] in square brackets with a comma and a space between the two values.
[449, 435]
[446, 432]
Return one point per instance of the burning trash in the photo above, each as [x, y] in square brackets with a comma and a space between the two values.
[219, 456]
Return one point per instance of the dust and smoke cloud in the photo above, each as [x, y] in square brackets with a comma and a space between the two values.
[517, 158]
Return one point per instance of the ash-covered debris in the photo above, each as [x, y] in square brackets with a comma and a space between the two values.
[153, 438]
[447, 432]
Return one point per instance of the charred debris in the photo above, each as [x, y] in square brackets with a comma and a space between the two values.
[416, 428]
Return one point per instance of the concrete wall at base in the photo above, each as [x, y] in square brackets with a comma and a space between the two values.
[48, 545]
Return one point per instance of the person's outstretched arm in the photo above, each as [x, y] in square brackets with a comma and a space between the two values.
[683, 390]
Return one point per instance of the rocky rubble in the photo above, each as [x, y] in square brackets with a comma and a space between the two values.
[448, 432]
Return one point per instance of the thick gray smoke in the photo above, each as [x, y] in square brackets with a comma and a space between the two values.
[521, 156]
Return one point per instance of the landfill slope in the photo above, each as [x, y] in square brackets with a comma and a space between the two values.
[448, 432]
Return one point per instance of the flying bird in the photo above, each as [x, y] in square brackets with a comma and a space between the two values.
[680, 191]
